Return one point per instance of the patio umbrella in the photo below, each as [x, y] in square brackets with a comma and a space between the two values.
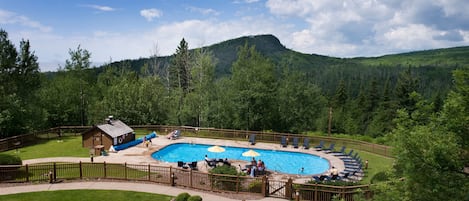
[251, 153]
[216, 149]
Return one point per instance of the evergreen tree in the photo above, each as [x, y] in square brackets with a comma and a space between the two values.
[300, 103]
[19, 75]
[406, 84]
[254, 83]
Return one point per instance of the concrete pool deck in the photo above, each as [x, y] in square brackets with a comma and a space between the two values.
[142, 155]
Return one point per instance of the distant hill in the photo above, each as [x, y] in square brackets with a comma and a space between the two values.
[456, 56]
[270, 46]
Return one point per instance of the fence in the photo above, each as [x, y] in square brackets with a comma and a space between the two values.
[270, 137]
[52, 172]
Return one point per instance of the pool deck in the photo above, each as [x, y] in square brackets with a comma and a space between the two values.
[142, 155]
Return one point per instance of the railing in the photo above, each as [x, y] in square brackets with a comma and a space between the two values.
[270, 137]
[54, 172]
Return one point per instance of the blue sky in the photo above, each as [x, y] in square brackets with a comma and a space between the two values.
[113, 30]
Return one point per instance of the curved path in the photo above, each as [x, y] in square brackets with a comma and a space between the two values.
[128, 186]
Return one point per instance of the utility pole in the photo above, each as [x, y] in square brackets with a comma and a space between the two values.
[82, 105]
[330, 122]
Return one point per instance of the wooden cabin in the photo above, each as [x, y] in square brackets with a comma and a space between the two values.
[101, 137]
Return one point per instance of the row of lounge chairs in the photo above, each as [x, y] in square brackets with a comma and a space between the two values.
[283, 141]
[352, 162]
[295, 143]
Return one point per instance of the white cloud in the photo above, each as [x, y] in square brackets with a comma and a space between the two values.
[101, 8]
[203, 11]
[151, 13]
[7, 17]
[340, 28]
[372, 27]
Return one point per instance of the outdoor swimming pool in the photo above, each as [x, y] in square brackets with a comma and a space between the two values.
[275, 160]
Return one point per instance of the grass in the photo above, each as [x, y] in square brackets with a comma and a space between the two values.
[85, 195]
[376, 163]
[67, 146]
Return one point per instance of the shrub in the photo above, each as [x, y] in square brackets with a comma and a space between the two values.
[224, 182]
[195, 198]
[6, 159]
[224, 169]
[182, 197]
[255, 186]
[379, 177]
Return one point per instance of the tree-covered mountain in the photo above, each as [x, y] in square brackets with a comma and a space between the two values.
[434, 70]
[270, 46]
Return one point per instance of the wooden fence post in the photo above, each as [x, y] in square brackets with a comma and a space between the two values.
[171, 175]
[265, 186]
[81, 170]
[315, 192]
[55, 171]
[27, 172]
[288, 189]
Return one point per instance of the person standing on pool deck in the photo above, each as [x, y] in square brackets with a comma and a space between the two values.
[253, 162]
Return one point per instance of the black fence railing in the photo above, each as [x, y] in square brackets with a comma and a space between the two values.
[54, 172]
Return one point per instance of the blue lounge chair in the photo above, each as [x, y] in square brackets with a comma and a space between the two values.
[283, 141]
[331, 148]
[306, 143]
[252, 139]
[344, 155]
[320, 146]
[342, 150]
[295, 142]
[321, 178]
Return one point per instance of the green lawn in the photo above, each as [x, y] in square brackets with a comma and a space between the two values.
[68, 146]
[376, 163]
[85, 195]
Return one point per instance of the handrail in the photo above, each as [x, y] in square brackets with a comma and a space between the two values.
[261, 136]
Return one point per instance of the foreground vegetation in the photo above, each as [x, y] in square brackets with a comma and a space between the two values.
[85, 195]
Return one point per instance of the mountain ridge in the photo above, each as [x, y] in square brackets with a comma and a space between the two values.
[271, 47]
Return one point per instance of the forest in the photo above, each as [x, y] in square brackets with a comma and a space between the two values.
[248, 83]
[417, 102]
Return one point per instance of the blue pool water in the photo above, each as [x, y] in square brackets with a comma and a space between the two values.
[280, 161]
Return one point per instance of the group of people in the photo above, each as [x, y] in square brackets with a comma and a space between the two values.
[255, 168]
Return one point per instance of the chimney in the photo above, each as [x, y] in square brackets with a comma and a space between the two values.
[109, 119]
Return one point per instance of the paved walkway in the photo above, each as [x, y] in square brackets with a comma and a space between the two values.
[128, 186]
